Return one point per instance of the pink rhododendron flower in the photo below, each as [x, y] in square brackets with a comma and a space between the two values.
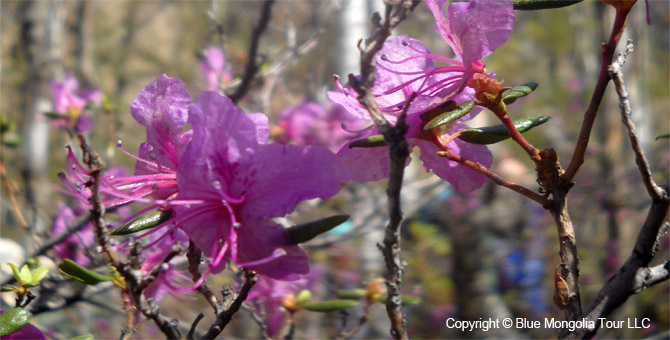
[74, 247]
[215, 68]
[70, 103]
[242, 184]
[273, 296]
[312, 124]
[405, 66]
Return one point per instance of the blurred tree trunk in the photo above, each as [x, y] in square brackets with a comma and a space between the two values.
[353, 21]
[41, 35]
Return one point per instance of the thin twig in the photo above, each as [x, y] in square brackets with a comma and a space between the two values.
[634, 275]
[624, 103]
[193, 255]
[252, 66]
[590, 114]
[452, 156]
[398, 151]
[224, 318]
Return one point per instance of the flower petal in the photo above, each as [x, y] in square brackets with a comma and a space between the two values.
[282, 176]
[480, 27]
[161, 107]
[258, 239]
[462, 178]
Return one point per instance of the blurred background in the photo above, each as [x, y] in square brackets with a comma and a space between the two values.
[489, 254]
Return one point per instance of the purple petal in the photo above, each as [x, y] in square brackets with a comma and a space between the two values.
[262, 126]
[366, 164]
[480, 26]
[462, 178]
[84, 123]
[284, 175]
[259, 239]
[350, 103]
[221, 131]
[442, 26]
[161, 107]
[207, 225]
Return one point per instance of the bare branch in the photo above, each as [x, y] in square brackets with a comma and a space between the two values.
[398, 150]
[222, 319]
[252, 66]
[590, 114]
[649, 276]
[615, 72]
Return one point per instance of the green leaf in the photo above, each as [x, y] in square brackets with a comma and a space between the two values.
[304, 232]
[79, 273]
[352, 294]
[24, 274]
[39, 273]
[54, 115]
[88, 336]
[144, 222]
[17, 274]
[497, 133]
[667, 135]
[12, 320]
[542, 4]
[329, 306]
[370, 142]
[406, 299]
[511, 95]
[450, 116]
[8, 289]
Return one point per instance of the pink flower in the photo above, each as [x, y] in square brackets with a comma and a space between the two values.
[75, 246]
[405, 66]
[243, 184]
[273, 296]
[311, 124]
[215, 68]
[70, 103]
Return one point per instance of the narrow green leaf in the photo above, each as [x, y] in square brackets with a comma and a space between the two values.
[351, 294]
[542, 4]
[450, 116]
[511, 95]
[88, 336]
[302, 233]
[54, 115]
[496, 133]
[12, 320]
[330, 306]
[144, 222]
[15, 270]
[406, 299]
[370, 142]
[8, 289]
[39, 273]
[667, 135]
[79, 273]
